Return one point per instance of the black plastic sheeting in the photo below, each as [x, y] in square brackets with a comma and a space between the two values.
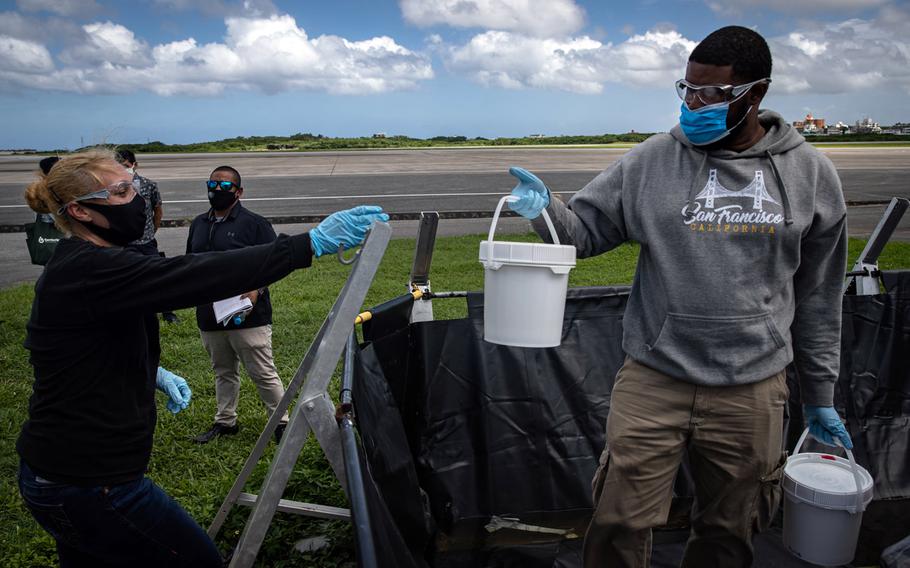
[873, 392]
[456, 430]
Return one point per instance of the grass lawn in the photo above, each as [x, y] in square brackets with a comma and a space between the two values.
[200, 476]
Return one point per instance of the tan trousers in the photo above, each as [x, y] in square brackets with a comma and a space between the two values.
[733, 438]
[252, 346]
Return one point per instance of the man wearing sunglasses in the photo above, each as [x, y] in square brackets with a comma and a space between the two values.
[742, 227]
[226, 226]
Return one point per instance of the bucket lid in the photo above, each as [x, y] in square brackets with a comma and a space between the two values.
[825, 480]
[494, 254]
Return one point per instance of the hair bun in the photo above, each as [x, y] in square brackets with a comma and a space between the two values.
[38, 197]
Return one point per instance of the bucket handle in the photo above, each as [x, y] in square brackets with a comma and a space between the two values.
[860, 506]
[512, 198]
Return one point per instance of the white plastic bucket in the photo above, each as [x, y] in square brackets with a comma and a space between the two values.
[524, 288]
[824, 500]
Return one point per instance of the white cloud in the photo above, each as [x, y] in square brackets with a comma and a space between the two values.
[21, 56]
[267, 54]
[820, 7]
[273, 54]
[847, 56]
[541, 18]
[580, 65]
[60, 7]
[851, 55]
[504, 59]
[107, 42]
[806, 45]
[655, 58]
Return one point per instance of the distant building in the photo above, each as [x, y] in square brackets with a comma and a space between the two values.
[379, 135]
[810, 125]
[899, 128]
[840, 128]
[867, 126]
[537, 136]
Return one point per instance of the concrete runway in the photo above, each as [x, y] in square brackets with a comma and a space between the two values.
[408, 181]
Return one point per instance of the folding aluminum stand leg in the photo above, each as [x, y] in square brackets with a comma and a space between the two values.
[420, 268]
[315, 411]
[236, 493]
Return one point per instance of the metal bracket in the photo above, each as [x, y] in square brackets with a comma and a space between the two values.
[314, 412]
[420, 268]
[863, 280]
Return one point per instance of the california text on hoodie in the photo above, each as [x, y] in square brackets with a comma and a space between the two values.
[742, 256]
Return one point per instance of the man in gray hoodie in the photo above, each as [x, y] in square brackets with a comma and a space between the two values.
[742, 227]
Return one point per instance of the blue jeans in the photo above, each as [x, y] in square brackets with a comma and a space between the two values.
[131, 524]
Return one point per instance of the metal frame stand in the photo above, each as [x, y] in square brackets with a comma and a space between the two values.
[863, 280]
[420, 268]
[314, 412]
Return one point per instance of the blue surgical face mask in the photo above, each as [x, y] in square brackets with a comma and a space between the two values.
[707, 124]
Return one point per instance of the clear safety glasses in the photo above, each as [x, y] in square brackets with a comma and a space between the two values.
[713, 94]
[118, 189]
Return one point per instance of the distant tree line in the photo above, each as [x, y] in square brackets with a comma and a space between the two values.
[306, 141]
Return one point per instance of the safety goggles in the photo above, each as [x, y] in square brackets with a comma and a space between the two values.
[222, 185]
[119, 189]
[713, 94]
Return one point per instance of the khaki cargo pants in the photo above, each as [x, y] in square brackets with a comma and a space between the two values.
[252, 346]
[733, 439]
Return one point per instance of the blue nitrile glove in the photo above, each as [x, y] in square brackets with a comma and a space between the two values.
[346, 228]
[825, 425]
[533, 196]
[175, 388]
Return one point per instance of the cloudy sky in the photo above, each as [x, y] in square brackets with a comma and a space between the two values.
[86, 71]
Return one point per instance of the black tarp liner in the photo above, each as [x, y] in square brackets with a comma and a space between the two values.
[398, 522]
[873, 392]
[456, 429]
[389, 544]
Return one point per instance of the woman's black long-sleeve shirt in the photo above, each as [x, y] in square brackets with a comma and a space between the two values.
[93, 342]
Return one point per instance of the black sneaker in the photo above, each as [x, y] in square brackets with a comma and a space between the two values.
[279, 432]
[169, 317]
[215, 431]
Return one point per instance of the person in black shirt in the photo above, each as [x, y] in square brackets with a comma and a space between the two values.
[93, 342]
[227, 226]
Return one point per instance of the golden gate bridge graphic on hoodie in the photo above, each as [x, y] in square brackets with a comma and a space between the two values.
[728, 217]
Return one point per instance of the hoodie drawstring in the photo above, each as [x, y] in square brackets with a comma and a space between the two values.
[693, 190]
[788, 217]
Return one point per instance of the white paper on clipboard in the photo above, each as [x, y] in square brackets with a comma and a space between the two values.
[229, 307]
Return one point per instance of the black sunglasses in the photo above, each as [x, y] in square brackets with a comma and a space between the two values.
[222, 185]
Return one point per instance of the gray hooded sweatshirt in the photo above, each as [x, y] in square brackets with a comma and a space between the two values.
[742, 257]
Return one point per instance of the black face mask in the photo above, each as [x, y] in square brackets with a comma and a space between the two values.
[127, 221]
[221, 200]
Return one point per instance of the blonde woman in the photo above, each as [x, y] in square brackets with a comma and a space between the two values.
[93, 342]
